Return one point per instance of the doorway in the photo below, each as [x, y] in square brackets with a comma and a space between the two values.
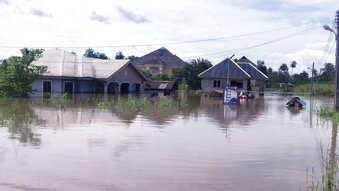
[124, 88]
[68, 87]
[46, 87]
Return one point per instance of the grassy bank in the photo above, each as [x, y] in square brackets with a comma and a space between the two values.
[318, 89]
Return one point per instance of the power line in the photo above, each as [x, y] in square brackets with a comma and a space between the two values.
[168, 43]
[258, 45]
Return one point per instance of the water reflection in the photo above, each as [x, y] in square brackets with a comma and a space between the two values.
[20, 119]
[269, 146]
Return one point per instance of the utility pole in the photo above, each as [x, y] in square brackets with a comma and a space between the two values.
[312, 79]
[337, 64]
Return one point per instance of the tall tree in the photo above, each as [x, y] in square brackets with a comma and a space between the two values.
[189, 74]
[92, 54]
[293, 65]
[262, 67]
[132, 57]
[17, 74]
[327, 73]
[119, 55]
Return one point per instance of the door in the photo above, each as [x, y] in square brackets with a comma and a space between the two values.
[68, 87]
[46, 87]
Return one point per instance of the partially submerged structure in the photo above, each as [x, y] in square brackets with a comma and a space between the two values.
[160, 61]
[167, 87]
[241, 73]
[68, 73]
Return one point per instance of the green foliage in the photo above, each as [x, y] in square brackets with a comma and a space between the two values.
[189, 74]
[318, 89]
[283, 68]
[132, 57]
[262, 67]
[293, 64]
[92, 54]
[301, 78]
[119, 55]
[17, 74]
[146, 73]
[160, 77]
[327, 73]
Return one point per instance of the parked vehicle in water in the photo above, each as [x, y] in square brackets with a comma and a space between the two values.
[296, 102]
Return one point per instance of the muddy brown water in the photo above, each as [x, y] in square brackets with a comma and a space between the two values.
[256, 145]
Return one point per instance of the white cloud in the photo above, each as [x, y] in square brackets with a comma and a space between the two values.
[171, 21]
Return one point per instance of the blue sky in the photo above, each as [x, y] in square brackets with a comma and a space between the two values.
[65, 23]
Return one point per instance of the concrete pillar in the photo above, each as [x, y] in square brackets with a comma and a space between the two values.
[244, 86]
[261, 88]
[105, 90]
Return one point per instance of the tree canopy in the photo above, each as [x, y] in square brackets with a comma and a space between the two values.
[119, 55]
[189, 74]
[92, 54]
[17, 74]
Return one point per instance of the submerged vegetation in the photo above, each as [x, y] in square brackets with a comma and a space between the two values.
[143, 105]
[321, 89]
[329, 114]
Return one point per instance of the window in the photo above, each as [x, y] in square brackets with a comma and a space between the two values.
[216, 84]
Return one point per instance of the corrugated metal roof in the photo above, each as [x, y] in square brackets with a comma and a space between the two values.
[244, 70]
[159, 85]
[253, 71]
[221, 71]
[160, 57]
[61, 63]
[245, 60]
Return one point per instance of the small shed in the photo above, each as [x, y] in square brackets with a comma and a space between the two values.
[167, 87]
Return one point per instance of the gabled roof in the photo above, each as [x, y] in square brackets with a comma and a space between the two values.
[245, 60]
[236, 71]
[61, 63]
[253, 71]
[221, 71]
[160, 57]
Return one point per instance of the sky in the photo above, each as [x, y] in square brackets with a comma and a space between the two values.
[295, 27]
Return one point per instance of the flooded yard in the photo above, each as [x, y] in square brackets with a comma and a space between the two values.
[201, 144]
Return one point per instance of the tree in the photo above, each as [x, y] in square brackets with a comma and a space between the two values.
[262, 67]
[283, 68]
[293, 65]
[161, 77]
[132, 57]
[92, 54]
[119, 55]
[327, 73]
[17, 74]
[189, 74]
[301, 78]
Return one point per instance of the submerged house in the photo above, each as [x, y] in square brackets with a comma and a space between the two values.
[241, 73]
[160, 61]
[68, 73]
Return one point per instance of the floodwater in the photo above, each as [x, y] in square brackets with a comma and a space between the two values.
[256, 145]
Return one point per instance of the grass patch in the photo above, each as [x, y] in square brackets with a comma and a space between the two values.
[318, 89]
[329, 114]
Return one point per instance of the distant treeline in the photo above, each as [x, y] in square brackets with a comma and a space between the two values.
[283, 75]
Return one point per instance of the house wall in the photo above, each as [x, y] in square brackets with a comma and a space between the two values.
[57, 85]
[208, 84]
[164, 70]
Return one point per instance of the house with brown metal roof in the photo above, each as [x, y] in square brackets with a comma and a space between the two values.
[68, 73]
[242, 73]
[160, 61]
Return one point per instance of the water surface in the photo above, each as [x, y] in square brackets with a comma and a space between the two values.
[256, 145]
